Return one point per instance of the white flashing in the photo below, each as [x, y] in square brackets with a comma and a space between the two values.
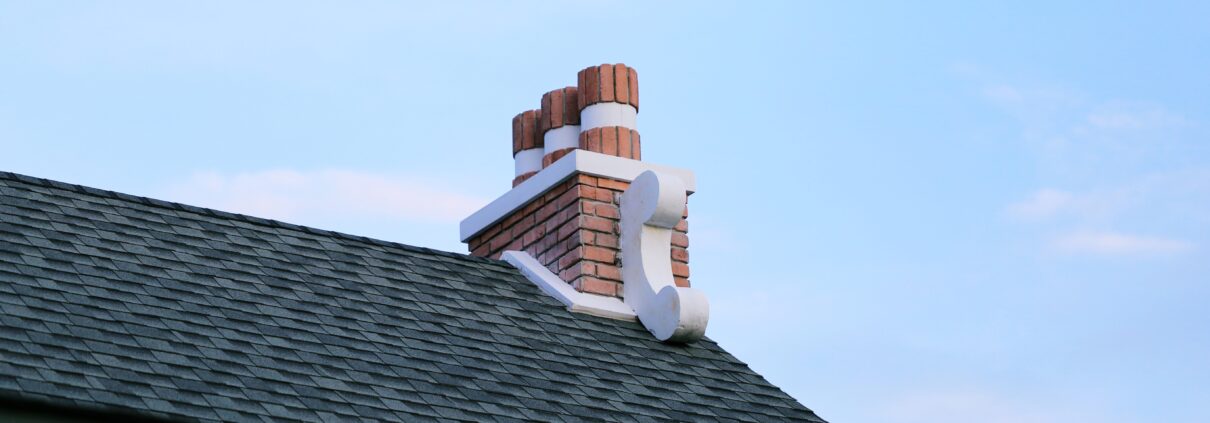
[576, 301]
[578, 161]
[567, 136]
[651, 207]
[608, 114]
[528, 160]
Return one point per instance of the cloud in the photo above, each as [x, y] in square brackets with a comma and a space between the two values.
[1112, 243]
[1133, 116]
[1044, 203]
[314, 195]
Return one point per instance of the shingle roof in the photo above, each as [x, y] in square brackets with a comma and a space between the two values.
[113, 301]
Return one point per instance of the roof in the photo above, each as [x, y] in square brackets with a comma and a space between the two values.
[115, 302]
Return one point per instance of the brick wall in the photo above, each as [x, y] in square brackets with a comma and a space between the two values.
[573, 231]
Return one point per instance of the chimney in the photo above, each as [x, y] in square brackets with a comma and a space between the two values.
[577, 173]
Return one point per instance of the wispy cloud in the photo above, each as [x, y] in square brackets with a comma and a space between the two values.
[310, 195]
[1133, 116]
[1112, 243]
[1113, 169]
[1044, 203]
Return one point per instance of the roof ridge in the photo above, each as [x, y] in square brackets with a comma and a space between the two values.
[155, 202]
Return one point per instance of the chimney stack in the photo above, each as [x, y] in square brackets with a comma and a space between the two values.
[527, 146]
[609, 109]
[574, 158]
[560, 123]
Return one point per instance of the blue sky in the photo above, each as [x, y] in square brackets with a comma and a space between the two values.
[925, 212]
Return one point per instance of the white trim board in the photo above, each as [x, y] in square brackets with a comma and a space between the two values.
[576, 301]
[578, 161]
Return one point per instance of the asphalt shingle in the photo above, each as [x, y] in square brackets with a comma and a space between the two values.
[113, 301]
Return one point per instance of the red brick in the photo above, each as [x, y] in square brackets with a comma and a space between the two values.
[533, 235]
[581, 85]
[547, 210]
[568, 228]
[570, 196]
[624, 142]
[480, 251]
[571, 257]
[680, 269]
[608, 211]
[605, 240]
[588, 192]
[609, 140]
[680, 240]
[682, 226]
[609, 272]
[634, 89]
[591, 140]
[598, 224]
[583, 238]
[569, 274]
[603, 195]
[606, 78]
[517, 133]
[680, 254]
[681, 282]
[532, 206]
[554, 156]
[612, 184]
[597, 286]
[599, 254]
[499, 242]
[571, 106]
[586, 180]
[621, 83]
[591, 93]
[515, 245]
[556, 109]
[495, 229]
[636, 151]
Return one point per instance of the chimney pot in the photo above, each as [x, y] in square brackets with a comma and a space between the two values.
[527, 146]
[609, 108]
[560, 123]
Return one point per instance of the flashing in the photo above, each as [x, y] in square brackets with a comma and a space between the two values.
[576, 301]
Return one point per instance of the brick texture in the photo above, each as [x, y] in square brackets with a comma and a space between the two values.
[525, 131]
[522, 177]
[554, 156]
[573, 230]
[612, 140]
[608, 83]
[559, 108]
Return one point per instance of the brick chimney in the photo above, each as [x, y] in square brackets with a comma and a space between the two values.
[574, 158]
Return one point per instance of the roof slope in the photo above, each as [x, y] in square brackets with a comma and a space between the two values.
[114, 301]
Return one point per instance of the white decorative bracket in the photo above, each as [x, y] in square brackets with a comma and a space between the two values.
[651, 207]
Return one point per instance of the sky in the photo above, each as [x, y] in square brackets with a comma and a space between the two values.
[906, 212]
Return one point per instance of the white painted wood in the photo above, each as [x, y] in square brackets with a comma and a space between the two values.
[651, 207]
[528, 160]
[581, 161]
[576, 301]
[567, 136]
[608, 114]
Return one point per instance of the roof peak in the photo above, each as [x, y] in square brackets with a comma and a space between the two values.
[172, 205]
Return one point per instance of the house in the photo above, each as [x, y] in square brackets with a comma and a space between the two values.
[574, 304]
